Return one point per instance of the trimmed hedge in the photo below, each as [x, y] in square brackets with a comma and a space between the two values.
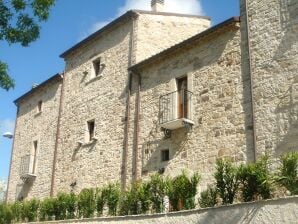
[246, 182]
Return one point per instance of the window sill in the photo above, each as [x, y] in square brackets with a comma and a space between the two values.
[94, 79]
[38, 114]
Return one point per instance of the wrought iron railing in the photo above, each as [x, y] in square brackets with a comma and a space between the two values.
[175, 105]
[25, 167]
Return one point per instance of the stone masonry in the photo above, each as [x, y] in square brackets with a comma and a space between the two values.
[104, 124]
[33, 125]
[273, 33]
[103, 98]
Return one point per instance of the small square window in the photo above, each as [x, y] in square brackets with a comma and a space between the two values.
[165, 155]
[39, 106]
[91, 130]
[97, 67]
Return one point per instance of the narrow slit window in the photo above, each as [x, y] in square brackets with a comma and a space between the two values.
[165, 155]
[91, 129]
[39, 106]
[97, 67]
[34, 156]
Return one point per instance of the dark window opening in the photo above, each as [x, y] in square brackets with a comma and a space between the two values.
[165, 155]
[39, 106]
[35, 146]
[97, 67]
[91, 129]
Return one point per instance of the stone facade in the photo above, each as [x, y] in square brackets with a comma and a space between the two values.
[213, 69]
[40, 126]
[273, 34]
[241, 79]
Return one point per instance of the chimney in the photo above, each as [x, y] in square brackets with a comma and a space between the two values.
[157, 5]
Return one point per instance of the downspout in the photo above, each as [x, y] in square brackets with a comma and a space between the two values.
[137, 129]
[57, 137]
[12, 153]
[126, 129]
[251, 82]
[127, 113]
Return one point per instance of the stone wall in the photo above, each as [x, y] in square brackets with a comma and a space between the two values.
[273, 27]
[264, 212]
[33, 126]
[159, 31]
[220, 107]
[103, 98]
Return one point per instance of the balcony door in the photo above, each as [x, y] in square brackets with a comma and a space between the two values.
[182, 97]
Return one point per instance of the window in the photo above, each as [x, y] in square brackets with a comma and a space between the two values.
[34, 156]
[91, 130]
[39, 106]
[165, 155]
[97, 67]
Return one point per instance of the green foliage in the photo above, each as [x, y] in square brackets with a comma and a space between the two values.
[5, 81]
[182, 191]
[158, 189]
[135, 200]
[208, 197]
[86, 203]
[65, 206]
[19, 23]
[47, 209]
[100, 201]
[16, 209]
[30, 210]
[255, 180]
[227, 182]
[288, 176]
[6, 215]
[112, 195]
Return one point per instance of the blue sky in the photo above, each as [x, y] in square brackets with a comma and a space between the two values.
[70, 21]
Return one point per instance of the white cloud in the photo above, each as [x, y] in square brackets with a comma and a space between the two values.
[6, 125]
[192, 7]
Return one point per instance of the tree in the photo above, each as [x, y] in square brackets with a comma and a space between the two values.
[19, 23]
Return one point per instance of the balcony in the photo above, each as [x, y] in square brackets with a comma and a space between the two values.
[27, 168]
[175, 110]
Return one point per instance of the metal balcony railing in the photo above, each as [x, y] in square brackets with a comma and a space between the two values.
[25, 167]
[175, 105]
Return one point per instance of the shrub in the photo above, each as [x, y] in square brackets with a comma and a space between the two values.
[226, 180]
[86, 203]
[289, 172]
[158, 189]
[208, 197]
[255, 180]
[30, 210]
[100, 201]
[135, 200]
[65, 206]
[6, 215]
[46, 209]
[112, 195]
[182, 191]
[16, 209]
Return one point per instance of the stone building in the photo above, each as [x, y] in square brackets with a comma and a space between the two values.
[161, 92]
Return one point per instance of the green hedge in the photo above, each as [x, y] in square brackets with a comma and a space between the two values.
[246, 182]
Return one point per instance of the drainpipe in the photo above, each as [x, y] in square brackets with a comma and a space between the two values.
[137, 129]
[251, 81]
[57, 136]
[12, 153]
[126, 129]
[127, 113]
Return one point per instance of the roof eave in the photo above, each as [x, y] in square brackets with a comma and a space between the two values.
[57, 76]
[125, 16]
